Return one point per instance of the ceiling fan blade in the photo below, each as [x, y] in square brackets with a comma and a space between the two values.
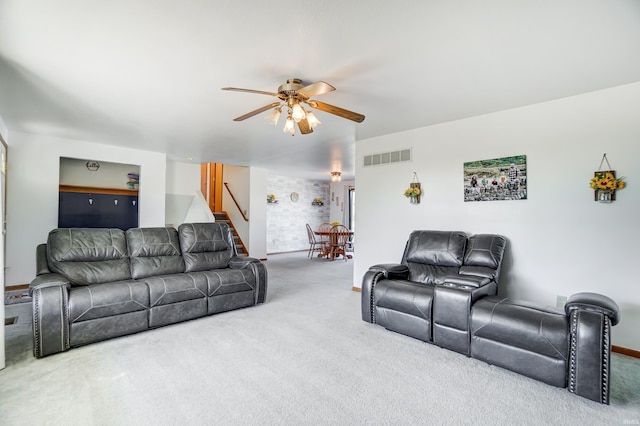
[256, 111]
[341, 112]
[314, 89]
[260, 92]
[304, 126]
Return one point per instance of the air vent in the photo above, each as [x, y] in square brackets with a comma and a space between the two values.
[387, 158]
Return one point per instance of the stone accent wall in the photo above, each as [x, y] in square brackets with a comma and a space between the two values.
[286, 220]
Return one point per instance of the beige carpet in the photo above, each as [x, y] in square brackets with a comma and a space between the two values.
[303, 358]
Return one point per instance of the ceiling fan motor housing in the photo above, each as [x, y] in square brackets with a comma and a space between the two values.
[291, 87]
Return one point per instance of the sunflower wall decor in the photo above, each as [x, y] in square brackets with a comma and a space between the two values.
[604, 183]
[414, 191]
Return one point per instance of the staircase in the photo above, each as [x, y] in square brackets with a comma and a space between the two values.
[224, 218]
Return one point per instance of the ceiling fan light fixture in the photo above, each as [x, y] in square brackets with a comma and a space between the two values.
[297, 112]
[289, 126]
[336, 176]
[274, 116]
[313, 120]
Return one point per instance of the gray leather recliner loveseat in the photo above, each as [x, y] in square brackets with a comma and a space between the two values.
[93, 284]
[444, 292]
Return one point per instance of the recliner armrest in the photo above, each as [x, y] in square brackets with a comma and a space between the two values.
[593, 302]
[50, 304]
[466, 281]
[241, 262]
[383, 271]
[392, 270]
[48, 280]
[259, 270]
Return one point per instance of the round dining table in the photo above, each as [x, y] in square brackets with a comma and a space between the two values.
[328, 250]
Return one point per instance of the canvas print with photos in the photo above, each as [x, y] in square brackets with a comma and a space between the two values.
[496, 179]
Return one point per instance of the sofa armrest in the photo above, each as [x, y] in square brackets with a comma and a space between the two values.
[452, 302]
[593, 302]
[50, 293]
[466, 281]
[392, 271]
[591, 316]
[240, 262]
[258, 269]
[371, 277]
[48, 280]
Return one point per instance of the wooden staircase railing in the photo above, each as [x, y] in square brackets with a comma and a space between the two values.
[226, 184]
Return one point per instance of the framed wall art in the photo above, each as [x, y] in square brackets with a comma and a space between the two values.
[496, 179]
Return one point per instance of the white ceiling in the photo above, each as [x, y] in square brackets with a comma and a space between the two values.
[147, 74]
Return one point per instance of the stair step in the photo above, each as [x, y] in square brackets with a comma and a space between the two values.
[221, 217]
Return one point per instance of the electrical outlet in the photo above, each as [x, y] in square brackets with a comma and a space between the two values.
[561, 301]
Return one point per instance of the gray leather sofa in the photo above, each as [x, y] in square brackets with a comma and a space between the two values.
[444, 292]
[95, 284]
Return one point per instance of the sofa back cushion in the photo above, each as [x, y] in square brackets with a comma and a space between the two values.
[88, 255]
[154, 251]
[432, 255]
[206, 246]
[483, 256]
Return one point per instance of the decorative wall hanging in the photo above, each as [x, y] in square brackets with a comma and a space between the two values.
[604, 183]
[413, 192]
[496, 179]
[271, 199]
[92, 166]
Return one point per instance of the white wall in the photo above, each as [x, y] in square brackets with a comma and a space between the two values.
[73, 171]
[4, 132]
[3, 135]
[560, 240]
[257, 213]
[183, 187]
[182, 178]
[32, 193]
[286, 220]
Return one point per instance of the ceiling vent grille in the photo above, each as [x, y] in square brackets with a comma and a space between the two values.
[387, 158]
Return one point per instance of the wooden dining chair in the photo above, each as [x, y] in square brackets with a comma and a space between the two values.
[339, 241]
[314, 245]
[324, 227]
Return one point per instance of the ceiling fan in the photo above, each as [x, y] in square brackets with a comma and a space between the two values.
[293, 95]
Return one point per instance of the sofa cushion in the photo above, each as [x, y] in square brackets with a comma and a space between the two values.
[205, 246]
[226, 281]
[154, 251]
[440, 248]
[169, 289]
[522, 337]
[522, 324]
[404, 307]
[107, 300]
[88, 256]
[432, 255]
[483, 255]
